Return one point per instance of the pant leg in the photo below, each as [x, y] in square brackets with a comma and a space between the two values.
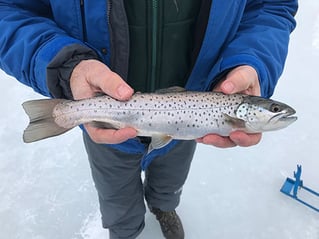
[117, 178]
[166, 176]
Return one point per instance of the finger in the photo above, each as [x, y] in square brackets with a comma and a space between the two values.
[110, 136]
[243, 79]
[91, 76]
[217, 140]
[245, 140]
[113, 85]
[234, 84]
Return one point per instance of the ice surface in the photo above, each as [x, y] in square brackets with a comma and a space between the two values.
[47, 192]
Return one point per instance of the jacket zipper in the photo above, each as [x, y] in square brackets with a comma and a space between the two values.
[83, 21]
[109, 8]
[154, 44]
[108, 15]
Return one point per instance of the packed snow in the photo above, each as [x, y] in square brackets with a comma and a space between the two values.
[47, 191]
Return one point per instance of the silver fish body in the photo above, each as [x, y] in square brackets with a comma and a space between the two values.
[175, 115]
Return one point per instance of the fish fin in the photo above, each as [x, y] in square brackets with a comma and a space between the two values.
[99, 94]
[235, 122]
[171, 90]
[159, 141]
[42, 124]
[102, 125]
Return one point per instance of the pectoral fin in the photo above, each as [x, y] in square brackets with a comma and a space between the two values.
[234, 122]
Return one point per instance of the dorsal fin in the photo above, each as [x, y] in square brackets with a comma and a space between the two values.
[170, 90]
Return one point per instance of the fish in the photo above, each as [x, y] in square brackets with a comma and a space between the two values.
[164, 115]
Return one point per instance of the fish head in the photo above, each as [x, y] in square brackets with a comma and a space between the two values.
[260, 114]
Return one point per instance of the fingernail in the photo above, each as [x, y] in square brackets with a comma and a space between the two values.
[228, 87]
[124, 91]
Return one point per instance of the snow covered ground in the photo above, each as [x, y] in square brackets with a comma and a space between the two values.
[47, 192]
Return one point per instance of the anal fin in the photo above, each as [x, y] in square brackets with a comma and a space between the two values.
[102, 125]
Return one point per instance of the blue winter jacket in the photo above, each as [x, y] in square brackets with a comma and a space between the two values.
[239, 32]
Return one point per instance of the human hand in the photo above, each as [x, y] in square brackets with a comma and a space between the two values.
[90, 77]
[242, 79]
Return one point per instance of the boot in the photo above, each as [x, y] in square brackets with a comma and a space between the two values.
[170, 222]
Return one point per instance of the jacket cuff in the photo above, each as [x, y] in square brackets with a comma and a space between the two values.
[59, 70]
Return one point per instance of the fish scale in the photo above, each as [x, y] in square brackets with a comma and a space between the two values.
[163, 116]
[178, 114]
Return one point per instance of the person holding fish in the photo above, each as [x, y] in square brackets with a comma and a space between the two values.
[76, 50]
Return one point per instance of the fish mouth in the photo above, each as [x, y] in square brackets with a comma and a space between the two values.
[286, 117]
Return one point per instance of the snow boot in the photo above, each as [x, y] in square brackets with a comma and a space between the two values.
[170, 222]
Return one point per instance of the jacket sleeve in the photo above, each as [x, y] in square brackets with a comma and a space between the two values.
[262, 40]
[29, 41]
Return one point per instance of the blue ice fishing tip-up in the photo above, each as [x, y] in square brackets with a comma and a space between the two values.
[291, 187]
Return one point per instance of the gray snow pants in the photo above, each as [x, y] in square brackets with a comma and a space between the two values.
[117, 178]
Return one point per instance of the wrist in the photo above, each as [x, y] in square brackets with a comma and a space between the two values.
[61, 68]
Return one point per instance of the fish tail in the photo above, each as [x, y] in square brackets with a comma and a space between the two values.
[42, 124]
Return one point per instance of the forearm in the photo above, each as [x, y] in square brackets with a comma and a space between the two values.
[61, 67]
[29, 41]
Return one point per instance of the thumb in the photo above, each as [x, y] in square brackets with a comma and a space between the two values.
[243, 79]
[102, 78]
[91, 76]
[113, 85]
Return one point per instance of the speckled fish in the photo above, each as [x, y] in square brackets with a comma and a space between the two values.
[163, 116]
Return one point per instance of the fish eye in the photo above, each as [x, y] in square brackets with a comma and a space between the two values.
[275, 108]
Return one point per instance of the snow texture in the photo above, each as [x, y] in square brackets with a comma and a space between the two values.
[47, 191]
